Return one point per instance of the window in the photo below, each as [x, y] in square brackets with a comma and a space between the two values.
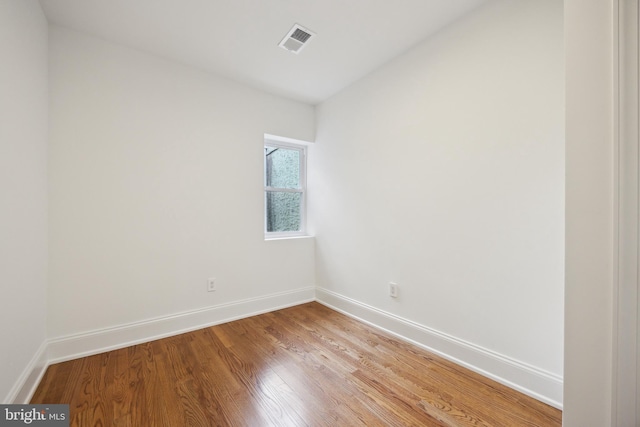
[284, 188]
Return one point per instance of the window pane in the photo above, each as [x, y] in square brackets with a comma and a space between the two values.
[283, 211]
[282, 167]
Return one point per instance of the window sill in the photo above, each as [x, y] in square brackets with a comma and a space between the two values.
[287, 237]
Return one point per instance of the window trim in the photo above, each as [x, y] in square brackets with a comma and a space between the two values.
[301, 147]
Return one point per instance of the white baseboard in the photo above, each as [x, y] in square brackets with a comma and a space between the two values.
[26, 385]
[532, 381]
[94, 342]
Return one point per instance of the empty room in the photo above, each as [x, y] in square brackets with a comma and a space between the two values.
[340, 212]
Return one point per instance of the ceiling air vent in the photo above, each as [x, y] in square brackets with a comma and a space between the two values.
[296, 39]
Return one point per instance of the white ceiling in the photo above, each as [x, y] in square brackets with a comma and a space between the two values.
[239, 39]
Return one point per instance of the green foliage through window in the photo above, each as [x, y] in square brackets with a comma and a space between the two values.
[284, 194]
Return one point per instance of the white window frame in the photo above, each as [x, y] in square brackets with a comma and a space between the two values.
[301, 147]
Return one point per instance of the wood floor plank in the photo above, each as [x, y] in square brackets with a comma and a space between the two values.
[347, 364]
[444, 375]
[319, 379]
[303, 366]
[397, 384]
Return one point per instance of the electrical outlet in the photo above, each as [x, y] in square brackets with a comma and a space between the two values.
[211, 284]
[393, 290]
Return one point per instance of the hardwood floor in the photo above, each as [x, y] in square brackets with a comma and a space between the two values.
[301, 366]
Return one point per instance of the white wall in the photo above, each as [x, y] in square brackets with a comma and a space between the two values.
[133, 133]
[156, 184]
[590, 194]
[23, 190]
[444, 172]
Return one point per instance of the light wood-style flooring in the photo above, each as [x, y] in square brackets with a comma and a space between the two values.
[301, 366]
